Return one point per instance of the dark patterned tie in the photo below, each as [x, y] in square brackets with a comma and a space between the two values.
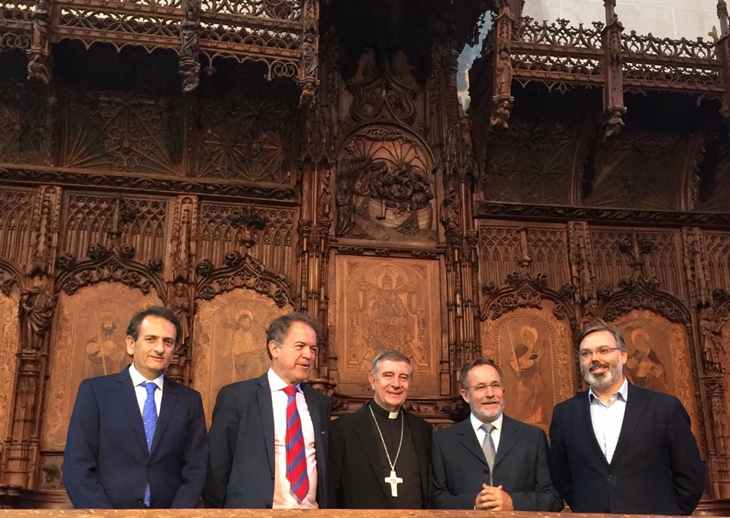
[149, 417]
[296, 462]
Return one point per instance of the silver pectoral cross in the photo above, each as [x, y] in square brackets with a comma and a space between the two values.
[393, 480]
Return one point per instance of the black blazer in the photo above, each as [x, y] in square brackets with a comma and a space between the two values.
[107, 464]
[241, 467]
[355, 478]
[520, 467]
[656, 468]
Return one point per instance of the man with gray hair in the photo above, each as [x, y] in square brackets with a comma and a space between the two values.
[379, 456]
[618, 448]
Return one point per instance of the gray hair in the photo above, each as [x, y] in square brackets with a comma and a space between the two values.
[476, 362]
[620, 342]
[392, 355]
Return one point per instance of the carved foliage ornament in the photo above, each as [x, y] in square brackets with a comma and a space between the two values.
[641, 294]
[526, 292]
[108, 265]
[382, 96]
[242, 272]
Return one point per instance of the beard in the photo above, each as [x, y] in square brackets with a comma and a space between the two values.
[605, 379]
[485, 416]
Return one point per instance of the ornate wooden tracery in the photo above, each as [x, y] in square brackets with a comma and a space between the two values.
[327, 167]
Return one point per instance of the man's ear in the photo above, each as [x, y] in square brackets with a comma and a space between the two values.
[130, 345]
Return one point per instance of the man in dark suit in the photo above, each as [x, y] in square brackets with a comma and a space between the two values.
[380, 454]
[137, 439]
[617, 448]
[268, 439]
[490, 461]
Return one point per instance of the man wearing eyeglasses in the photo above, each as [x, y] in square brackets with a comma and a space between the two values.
[490, 461]
[618, 448]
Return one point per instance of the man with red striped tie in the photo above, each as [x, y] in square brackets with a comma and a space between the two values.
[268, 440]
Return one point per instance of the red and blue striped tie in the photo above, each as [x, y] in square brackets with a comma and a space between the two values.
[296, 462]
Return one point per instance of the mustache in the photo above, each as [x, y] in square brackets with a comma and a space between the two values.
[597, 364]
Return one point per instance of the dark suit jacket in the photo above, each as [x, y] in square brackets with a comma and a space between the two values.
[241, 468]
[356, 480]
[656, 468]
[106, 463]
[520, 467]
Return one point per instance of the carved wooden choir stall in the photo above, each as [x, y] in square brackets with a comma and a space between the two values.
[236, 160]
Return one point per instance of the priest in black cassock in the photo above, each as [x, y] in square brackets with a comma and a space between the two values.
[379, 456]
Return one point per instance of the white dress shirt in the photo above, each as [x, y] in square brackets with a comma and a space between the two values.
[141, 392]
[608, 419]
[481, 434]
[283, 497]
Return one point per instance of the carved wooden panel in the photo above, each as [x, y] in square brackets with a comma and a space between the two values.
[230, 341]
[89, 340]
[658, 251]
[530, 162]
[535, 351]
[246, 132]
[16, 208]
[384, 186]
[25, 135]
[717, 253]
[122, 133]
[499, 252]
[714, 191]
[503, 247]
[638, 170]
[386, 304]
[548, 250]
[88, 219]
[659, 357]
[274, 245]
[9, 346]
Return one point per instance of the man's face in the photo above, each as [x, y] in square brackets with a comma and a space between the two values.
[601, 370]
[484, 393]
[390, 384]
[294, 357]
[154, 346]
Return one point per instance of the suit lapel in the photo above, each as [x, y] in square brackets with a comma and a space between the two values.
[129, 406]
[583, 416]
[167, 410]
[266, 409]
[370, 442]
[469, 440]
[507, 439]
[635, 407]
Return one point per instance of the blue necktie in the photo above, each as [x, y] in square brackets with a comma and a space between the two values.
[149, 417]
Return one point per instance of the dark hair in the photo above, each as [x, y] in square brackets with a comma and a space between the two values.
[156, 311]
[620, 342]
[279, 328]
[476, 362]
[391, 355]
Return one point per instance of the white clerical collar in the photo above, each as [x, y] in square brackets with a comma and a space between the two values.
[383, 412]
[138, 379]
[477, 424]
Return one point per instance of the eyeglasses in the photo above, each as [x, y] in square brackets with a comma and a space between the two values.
[482, 387]
[601, 351]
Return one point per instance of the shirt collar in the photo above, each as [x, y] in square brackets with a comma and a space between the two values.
[621, 394]
[476, 423]
[138, 379]
[276, 383]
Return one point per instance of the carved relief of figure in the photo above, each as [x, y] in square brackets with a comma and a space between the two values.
[591, 315]
[713, 347]
[105, 352]
[531, 387]
[643, 366]
[36, 314]
[181, 308]
[246, 354]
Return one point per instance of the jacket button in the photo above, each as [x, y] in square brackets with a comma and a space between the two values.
[486, 472]
[609, 478]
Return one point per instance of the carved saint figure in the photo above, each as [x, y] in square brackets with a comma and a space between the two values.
[105, 355]
[36, 314]
[713, 347]
[246, 353]
[531, 387]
